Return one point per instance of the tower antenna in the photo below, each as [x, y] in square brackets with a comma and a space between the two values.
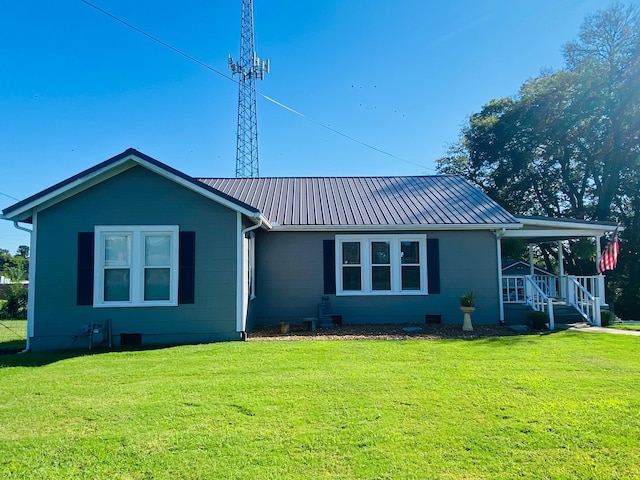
[248, 68]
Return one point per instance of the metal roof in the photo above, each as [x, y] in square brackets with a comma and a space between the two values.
[366, 201]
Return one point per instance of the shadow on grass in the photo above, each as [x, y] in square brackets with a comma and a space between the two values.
[40, 359]
[12, 344]
[482, 334]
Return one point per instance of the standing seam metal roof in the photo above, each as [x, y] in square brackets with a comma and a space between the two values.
[357, 201]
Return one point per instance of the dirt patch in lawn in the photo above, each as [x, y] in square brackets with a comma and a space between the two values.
[380, 332]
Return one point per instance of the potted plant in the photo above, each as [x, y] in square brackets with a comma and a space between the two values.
[468, 306]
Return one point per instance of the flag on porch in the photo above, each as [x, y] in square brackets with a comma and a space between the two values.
[609, 257]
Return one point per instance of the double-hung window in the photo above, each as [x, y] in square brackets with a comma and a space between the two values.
[381, 264]
[136, 266]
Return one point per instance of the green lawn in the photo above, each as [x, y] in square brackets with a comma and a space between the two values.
[13, 333]
[557, 406]
[626, 326]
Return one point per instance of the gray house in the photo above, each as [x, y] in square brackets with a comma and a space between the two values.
[164, 258]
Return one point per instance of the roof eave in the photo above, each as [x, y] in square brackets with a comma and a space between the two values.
[568, 223]
[440, 227]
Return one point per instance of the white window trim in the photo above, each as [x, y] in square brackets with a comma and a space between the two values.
[396, 265]
[136, 293]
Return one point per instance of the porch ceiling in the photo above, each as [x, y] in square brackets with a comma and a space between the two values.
[543, 229]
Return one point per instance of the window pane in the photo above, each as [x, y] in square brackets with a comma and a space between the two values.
[116, 285]
[381, 278]
[410, 252]
[351, 253]
[156, 283]
[410, 278]
[116, 250]
[351, 278]
[380, 253]
[157, 250]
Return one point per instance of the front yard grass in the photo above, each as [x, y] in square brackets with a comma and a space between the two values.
[13, 334]
[557, 406]
[625, 326]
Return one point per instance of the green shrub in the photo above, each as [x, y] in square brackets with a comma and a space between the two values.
[607, 317]
[15, 305]
[538, 320]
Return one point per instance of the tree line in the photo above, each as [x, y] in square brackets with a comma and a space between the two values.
[15, 267]
[13, 297]
[568, 145]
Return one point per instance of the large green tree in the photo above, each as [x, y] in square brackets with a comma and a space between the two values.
[568, 145]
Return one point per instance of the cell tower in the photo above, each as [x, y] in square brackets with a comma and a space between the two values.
[249, 68]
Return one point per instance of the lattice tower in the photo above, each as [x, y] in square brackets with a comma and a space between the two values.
[248, 68]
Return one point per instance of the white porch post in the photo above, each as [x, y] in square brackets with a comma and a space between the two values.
[530, 259]
[561, 286]
[600, 279]
[499, 258]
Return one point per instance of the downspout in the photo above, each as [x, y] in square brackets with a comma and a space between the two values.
[31, 285]
[243, 332]
[499, 234]
[251, 228]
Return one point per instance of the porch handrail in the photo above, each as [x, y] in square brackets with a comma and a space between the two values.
[547, 283]
[588, 305]
[538, 300]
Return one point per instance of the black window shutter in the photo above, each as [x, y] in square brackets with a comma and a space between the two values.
[84, 288]
[433, 265]
[329, 266]
[187, 268]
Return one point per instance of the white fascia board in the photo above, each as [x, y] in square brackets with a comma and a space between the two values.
[553, 234]
[368, 228]
[553, 223]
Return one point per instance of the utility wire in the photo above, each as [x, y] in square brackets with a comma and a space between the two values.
[10, 196]
[340, 133]
[266, 97]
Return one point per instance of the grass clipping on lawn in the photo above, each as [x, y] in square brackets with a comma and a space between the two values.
[558, 406]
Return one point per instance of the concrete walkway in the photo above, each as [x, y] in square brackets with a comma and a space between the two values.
[585, 327]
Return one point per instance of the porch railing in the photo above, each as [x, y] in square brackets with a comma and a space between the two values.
[513, 287]
[537, 299]
[594, 284]
[578, 293]
[549, 284]
[584, 293]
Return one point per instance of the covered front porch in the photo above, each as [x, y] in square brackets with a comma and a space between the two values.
[557, 294]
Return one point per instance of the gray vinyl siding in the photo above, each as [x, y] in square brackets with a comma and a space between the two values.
[136, 197]
[516, 313]
[290, 281]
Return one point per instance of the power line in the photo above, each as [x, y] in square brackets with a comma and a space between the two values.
[269, 99]
[10, 196]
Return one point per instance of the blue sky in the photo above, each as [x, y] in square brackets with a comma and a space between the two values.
[78, 87]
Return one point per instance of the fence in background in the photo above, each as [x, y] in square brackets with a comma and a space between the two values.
[13, 335]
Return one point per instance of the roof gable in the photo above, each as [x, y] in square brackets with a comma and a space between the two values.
[109, 168]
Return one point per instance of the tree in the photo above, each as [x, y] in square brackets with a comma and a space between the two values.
[15, 268]
[568, 145]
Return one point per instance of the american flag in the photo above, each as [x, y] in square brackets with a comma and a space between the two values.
[609, 256]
